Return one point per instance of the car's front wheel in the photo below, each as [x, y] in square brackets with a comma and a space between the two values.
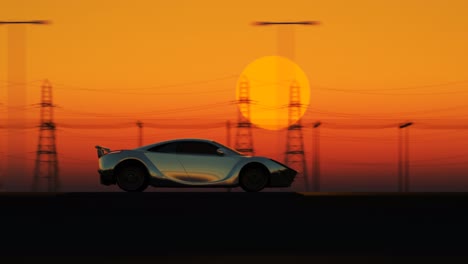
[253, 179]
[132, 178]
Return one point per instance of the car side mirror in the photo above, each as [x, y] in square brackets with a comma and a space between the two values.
[220, 152]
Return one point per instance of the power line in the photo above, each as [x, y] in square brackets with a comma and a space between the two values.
[442, 158]
[326, 124]
[357, 163]
[112, 136]
[14, 84]
[95, 126]
[119, 91]
[393, 94]
[165, 111]
[415, 161]
[446, 126]
[401, 88]
[158, 123]
[432, 165]
[151, 93]
[67, 111]
[182, 126]
[388, 164]
[322, 111]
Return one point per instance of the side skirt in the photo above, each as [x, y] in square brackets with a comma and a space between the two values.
[168, 183]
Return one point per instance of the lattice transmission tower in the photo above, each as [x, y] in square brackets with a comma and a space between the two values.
[294, 155]
[46, 169]
[244, 139]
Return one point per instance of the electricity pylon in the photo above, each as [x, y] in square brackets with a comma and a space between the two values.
[294, 155]
[244, 139]
[46, 155]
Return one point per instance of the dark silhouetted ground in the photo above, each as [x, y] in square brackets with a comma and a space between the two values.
[232, 227]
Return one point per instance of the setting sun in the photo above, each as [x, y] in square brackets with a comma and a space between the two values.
[269, 79]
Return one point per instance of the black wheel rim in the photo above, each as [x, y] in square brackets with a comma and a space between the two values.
[131, 180]
[254, 179]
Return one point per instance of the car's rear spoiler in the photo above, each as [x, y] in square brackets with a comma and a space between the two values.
[101, 151]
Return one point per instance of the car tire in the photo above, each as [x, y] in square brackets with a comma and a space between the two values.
[132, 179]
[253, 179]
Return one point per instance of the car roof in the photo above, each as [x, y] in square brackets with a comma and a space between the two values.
[177, 140]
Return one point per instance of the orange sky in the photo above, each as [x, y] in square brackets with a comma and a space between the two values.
[130, 60]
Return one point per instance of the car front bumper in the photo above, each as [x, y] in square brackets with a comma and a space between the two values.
[107, 177]
[282, 178]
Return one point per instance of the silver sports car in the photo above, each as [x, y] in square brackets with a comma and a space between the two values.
[189, 163]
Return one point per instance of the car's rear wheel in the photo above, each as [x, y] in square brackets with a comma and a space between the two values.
[253, 179]
[132, 178]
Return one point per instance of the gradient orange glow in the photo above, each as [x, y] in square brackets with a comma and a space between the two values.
[174, 65]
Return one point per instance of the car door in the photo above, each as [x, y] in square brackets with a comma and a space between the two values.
[202, 163]
[164, 157]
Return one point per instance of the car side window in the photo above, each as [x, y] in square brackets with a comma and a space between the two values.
[165, 148]
[194, 147]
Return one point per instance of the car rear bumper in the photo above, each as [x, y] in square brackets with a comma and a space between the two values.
[107, 177]
[282, 178]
